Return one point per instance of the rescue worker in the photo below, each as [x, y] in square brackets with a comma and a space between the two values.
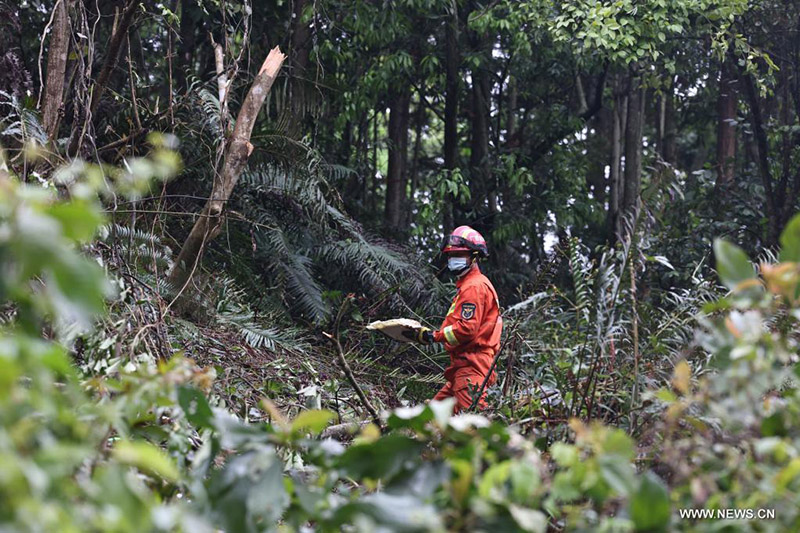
[471, 330]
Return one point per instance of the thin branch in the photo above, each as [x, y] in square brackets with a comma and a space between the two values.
[346, 367]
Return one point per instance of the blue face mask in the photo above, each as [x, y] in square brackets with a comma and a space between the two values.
[455, 264]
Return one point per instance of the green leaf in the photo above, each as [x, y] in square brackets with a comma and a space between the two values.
[81, 282]
[773, 426]
[410, 417]
[495, 476]
[528, 519]
[55, 358]
[249, 490]
[194, 404]
[733, 265]
[147, 458]
[396, 512]
[381, 459]
[660, 259]
[564, 454]
[314, 420]
[79, 220]
[524, 482]
[442, 410]
[666, 395]
[649, 506]
[790, 241]
[788, 474]
[618, 473]
[617, 442]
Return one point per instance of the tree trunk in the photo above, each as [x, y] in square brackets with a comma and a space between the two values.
[598, 156]
[790, 137]
[237, 151]
[480, 176]
[112, 51]
[669, 146]
[110, 62]
[511, 112]
[301, 37]
[762, 158]
[373, 197]
[362, 159]
[186, 48]
[419, 123]
[452, 63]
[538, 150]
[346, 144]
[633, 149]
[726, 130]
[619, 123]
[56, 70]
[396, 176]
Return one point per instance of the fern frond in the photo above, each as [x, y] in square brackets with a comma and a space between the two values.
[260, 336]
[210, 104]
[137, 244]
[137, 236]
[295, 269]
[581, 280]
[20, 123]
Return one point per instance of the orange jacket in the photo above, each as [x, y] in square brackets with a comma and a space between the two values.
[471, 330]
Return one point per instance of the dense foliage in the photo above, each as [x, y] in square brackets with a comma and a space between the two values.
[624, 160]
[140, 446]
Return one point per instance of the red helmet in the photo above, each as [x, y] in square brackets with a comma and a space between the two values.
[465, 239]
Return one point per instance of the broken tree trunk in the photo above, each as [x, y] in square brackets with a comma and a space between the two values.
[237, 151]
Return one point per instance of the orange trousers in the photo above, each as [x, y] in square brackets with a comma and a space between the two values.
[465, 385]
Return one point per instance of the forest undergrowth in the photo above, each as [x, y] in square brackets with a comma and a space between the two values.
[611, 412]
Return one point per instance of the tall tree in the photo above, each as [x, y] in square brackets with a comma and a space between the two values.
[397, 176]
[616, 184]
[298, 60]
[56, 69]
[452, 84]
[187, 43]
[122, 23]
[480, 106]
[726, 129]
[634, 130]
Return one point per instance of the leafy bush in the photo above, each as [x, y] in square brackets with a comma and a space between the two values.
[139, 446]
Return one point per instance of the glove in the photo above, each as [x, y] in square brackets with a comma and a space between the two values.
[422, 335]
[425, 336]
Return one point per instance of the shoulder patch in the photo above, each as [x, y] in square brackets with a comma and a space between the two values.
[467, 310]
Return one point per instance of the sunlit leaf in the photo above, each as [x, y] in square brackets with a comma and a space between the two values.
[147, 458]
[790, 241]
[733, 265]
[313, 420]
